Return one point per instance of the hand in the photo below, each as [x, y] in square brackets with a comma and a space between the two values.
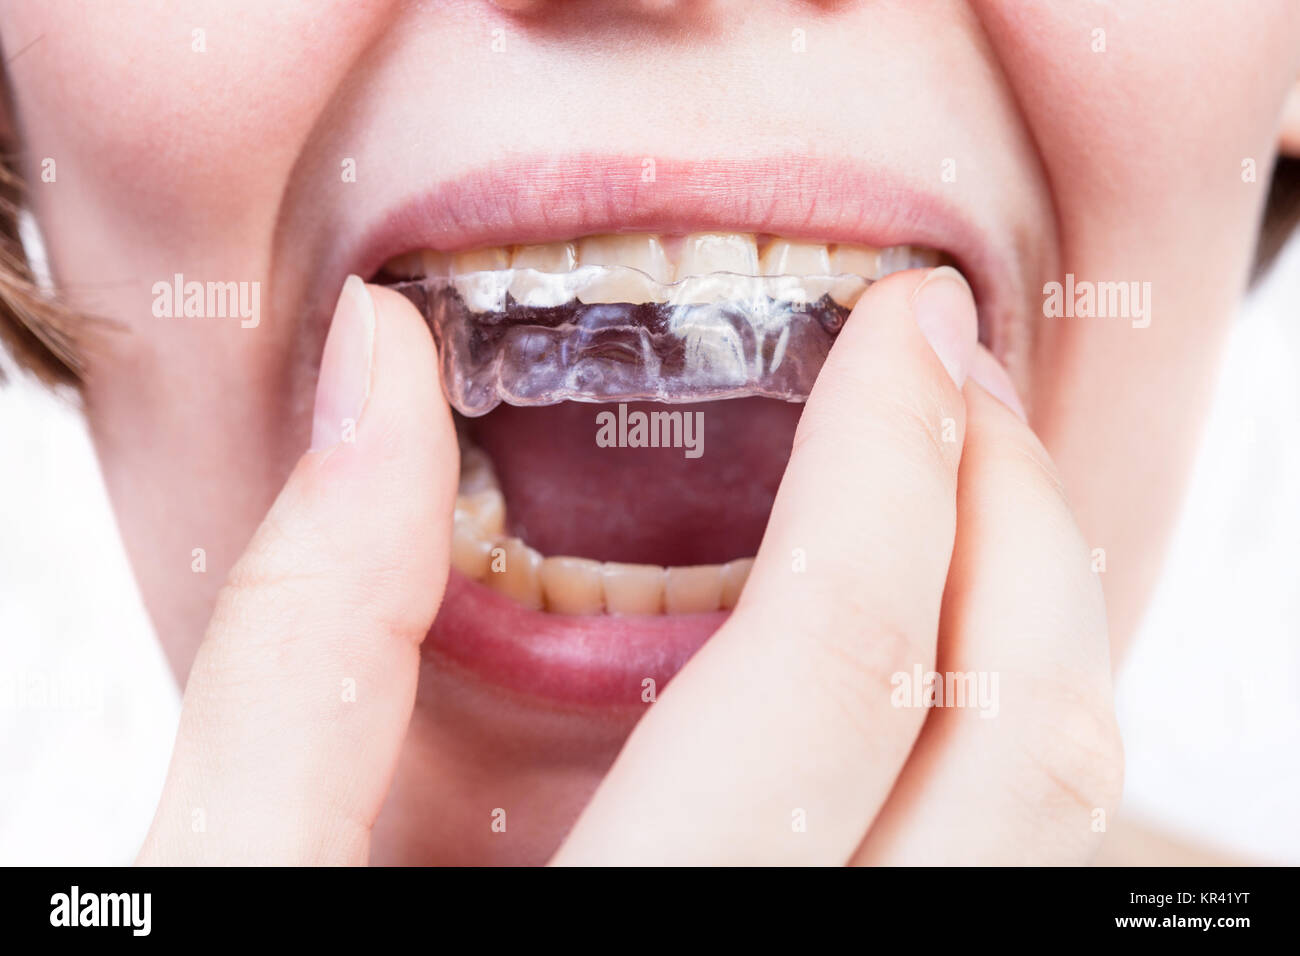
[780, 741]
[333, 596]
[785, 715]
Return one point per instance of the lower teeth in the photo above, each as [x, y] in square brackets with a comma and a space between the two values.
[535, 338]
[483, 552]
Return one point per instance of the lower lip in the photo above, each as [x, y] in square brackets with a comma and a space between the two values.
[587, 661]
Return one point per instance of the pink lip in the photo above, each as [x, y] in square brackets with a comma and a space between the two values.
[602, 661]
[598, 661]
[551, 198]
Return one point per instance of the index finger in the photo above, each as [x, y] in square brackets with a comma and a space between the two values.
[300, 695]
[1024, 620]
[777, 743]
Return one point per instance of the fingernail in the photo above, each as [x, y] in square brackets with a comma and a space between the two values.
[944, 309]
[989, 374]
[344, 379]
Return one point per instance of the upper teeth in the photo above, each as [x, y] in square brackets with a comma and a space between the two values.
[661, 261]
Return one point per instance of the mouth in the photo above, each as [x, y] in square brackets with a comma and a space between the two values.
[626, 402]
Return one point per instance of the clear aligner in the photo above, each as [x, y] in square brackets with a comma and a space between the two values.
[613, 334]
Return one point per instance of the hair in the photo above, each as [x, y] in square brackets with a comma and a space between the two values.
[36, 328]
[1281, 213]
[40, 331]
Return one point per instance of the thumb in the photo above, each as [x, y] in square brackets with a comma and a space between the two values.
[301, 691]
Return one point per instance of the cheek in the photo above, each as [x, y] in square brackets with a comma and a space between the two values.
[174, 127]
[167, 112]
[1156, 127]
[1149, 103]
[1143, 114]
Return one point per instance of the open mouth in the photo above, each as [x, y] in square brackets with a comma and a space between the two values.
[626, 406]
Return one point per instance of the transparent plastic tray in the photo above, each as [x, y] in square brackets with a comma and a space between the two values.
[536, 338]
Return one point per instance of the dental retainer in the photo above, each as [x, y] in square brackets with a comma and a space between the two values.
[616, 334]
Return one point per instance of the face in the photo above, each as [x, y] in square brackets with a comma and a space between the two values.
[286, 145]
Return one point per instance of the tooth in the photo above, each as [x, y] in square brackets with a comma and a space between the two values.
[435, 264]
[633, 588]
[546, 257]
[894, 259]
[785, 258]
[926, 258]
[795, 262]
[476, 473]
[573, 586]
[847, 289]
[849, 261]
[409, 265]
[642, 252]
[856, 260]
[480, 260]
[734, 575]
[481, 278]
[485, 510]
[540, 291]
[715, 267]
[897, 258]
[470, 552]
[483, 291]
[705, 252]
[520, 578]
[473, 459]
[692, 590]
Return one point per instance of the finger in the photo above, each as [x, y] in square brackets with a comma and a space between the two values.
[300, 694]
[1022, 762]
[777, 743]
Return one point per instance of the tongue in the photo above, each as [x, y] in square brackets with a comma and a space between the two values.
[568, 494]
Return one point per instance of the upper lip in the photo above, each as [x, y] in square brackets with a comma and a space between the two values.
[553, 198]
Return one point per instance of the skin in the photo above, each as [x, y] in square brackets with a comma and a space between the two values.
[1092, 162]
